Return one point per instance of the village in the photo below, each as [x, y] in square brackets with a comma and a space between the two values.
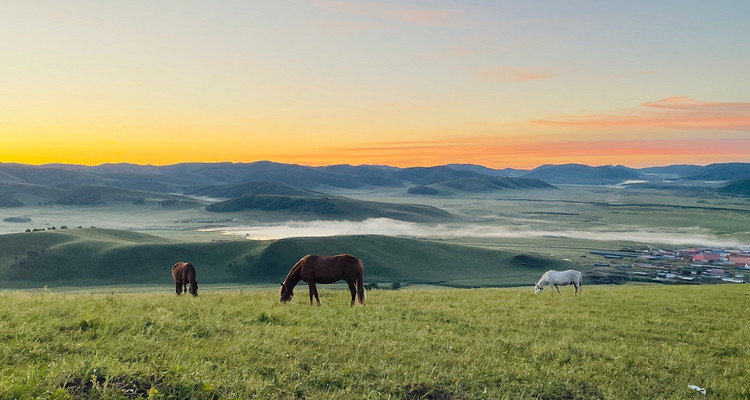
[696, 265]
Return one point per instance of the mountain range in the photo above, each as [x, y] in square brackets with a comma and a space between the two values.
[65, 184]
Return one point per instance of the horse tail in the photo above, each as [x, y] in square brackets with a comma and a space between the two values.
[361, 295]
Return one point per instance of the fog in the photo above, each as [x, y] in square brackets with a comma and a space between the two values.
[390, 227]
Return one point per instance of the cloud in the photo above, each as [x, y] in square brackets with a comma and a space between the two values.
[529, 151]
[673, 112]
[509, 74]
[390, 227]
[412, 16]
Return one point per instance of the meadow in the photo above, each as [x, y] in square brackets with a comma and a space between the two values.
[625, 342]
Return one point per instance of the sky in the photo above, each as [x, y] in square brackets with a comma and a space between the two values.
[505, 84]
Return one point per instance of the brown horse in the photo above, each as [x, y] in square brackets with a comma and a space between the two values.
[325, 269]
[184, 273]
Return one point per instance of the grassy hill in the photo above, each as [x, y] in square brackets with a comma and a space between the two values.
[627, 342]
[739, 187]
[81, 257]
[86, 195]
[332, 208]
[231, 191]
[578, 173]
[483, 184]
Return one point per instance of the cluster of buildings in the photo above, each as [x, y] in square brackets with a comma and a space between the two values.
[691, 265]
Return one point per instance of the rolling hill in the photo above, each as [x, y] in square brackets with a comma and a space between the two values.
[83, 257]
[18, 195]
[231, 191]
[740, 187]
[583, 174]
[482, 184]
[327, 207]
[722, 172]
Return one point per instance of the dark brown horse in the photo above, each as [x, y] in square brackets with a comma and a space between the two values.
[325, 269]
[184, 273]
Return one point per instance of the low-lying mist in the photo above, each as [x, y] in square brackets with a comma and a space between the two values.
[390, 227]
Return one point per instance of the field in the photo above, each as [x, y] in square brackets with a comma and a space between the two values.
[626, 342]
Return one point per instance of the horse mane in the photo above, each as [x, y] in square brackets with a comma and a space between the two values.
[295, 274]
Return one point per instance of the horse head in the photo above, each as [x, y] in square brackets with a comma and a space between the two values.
[285, 293]
[193, 288]
[537, 288]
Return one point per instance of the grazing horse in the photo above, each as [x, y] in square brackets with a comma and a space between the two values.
[554, 278]
[325, 269]
[184, 273]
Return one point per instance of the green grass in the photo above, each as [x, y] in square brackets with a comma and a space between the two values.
[628, 342]
[85, 257]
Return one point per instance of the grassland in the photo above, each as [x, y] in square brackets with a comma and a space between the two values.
[85, 257]
[628, 342]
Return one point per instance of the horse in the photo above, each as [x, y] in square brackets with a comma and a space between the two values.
[325, 269]
[184, 273]
[554, 278]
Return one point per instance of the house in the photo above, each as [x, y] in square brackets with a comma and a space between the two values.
[706, 257]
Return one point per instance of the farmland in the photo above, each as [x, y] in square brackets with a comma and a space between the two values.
[613, 342]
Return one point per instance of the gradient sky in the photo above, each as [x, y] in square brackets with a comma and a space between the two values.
[404, 83]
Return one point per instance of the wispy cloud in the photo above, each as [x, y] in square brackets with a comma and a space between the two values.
[672, 112]
[401, 14]
[529, 151]
[509, 74]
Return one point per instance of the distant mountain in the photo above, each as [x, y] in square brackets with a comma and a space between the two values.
[722, 172]
[428, 175]
[672, 171]
[506, 172]
[194, 177]
[583, 174]
[482, 184]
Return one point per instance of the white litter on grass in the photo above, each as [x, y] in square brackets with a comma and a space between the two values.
[697, 389]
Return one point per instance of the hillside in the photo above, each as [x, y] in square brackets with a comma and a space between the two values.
[194, 177]
[739, 187]
[82, 257]
[722, 172]
[332, 208]
[231, 191]
[583, 174]
[482, 184]
[19, 195]
[627, 342]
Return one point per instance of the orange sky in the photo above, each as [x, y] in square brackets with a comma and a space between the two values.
[323, 82]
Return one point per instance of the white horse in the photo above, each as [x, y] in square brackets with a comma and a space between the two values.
[554, 278]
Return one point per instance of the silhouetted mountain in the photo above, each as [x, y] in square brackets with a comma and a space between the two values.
[583, 174]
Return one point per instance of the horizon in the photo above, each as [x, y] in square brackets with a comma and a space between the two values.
[54, 164]
[326, 82]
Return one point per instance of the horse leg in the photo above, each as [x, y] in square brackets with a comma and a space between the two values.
[177, 288]
[352, 289]
[558, 289]
[313, 292]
